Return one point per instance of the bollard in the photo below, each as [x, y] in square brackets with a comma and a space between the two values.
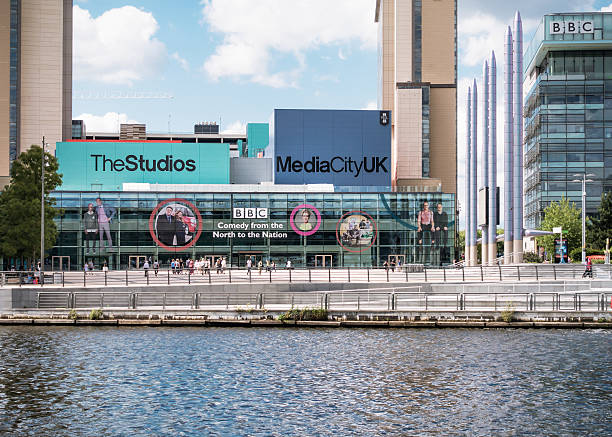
[147, 275]
[309, 275]
[426, 303]
[500, 274]
[101, 300]
[270, 271]
[518, 272]
[168, 277]
[536, 270]
[209, 278]
[105, 278]
[463, 273]
[329, 274]
[425, 270]
[358, 302]
[84, 279]
[368, 274]
[230, 275]
[227, 303]
[495, 302]
[406, 270]
[481, 275]
[444, 270]
[348, 271]
[555, 272]
[250, 277]
[188, 278]
[290, 275]
[292, 300]
[20, 277]
[387, 274]
[126, 277]
[164, 302]
[62, 279]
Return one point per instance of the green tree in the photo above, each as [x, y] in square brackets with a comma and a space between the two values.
[20, 206]
[598, 229]
[567, 216]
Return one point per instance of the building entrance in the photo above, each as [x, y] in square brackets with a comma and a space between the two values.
[255, 258]
[136, 261]
[323, 261]
[60, 263]
[400, 260]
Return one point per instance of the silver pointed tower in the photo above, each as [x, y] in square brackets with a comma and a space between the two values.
[508, 147]
[484, 155]
[492, 246]
[474, 177]
[468, 162]
[517, 182]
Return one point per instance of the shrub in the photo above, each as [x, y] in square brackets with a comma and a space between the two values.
[304, 314]
[507, 315]
[96, 315]
[531, 257]
[576, 254]
[72, 314]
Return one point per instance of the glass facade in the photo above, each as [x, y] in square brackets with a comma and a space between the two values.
[328, 229]
[568, 131]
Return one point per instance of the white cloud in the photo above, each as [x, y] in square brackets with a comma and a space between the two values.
[107, 123]
[181, 61]
[607, 8]
[371, 105]
[254, 33]
[236, 127]
[117, 47]
[341, 54]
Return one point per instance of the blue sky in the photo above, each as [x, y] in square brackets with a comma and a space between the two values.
[237, 60]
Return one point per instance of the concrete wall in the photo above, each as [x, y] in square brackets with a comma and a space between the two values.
[250, 170]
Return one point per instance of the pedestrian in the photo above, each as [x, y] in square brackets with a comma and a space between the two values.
[267, 265]
[145, 266]
[90, 265]
[105, 267]
[386, 266]
[588, 271]
[156, 267]
[172, 265]
[223, 265]
[218, 265]
[274, 265]
[288, 265]
[393, 265]
[249, 264]
[260, 266]
[191, 266]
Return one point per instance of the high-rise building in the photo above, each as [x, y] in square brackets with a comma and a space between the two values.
[418, 83]
[35, 76]
[568, 112]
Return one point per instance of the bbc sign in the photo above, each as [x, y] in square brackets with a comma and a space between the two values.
[577, 26]
[250, 213]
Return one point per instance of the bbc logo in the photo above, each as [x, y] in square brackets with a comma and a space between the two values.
[250, 213]
[575, 26]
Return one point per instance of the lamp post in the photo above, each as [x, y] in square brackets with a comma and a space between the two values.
[42, 213]
[584, 181]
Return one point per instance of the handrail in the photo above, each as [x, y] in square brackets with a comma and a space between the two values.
[359, 300]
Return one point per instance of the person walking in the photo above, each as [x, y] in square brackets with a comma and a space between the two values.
[260, 266]
[145, 266]
[155, 267]
[249, 264]
[223, 265]
[588, 271]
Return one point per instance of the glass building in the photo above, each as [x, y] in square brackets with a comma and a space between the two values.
[318, 229]
[568, 112]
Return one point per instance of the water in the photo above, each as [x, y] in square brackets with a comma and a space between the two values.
[264, 381]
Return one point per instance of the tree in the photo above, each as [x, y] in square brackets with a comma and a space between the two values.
[567, 216]
[598, 229]
[20, 206]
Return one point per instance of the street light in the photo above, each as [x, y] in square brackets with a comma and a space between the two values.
[42, 212]
[584, 181]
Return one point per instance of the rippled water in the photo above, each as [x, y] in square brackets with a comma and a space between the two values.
[264, 381]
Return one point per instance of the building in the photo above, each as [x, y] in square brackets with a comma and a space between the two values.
[35, 76]
[330, 206]
[568, 112]
[206, 128]
[132, 131]
[418, 85]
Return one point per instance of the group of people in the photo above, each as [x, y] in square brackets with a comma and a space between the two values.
[432, 226]
[202, 265]
[96, 221]
[270, 266]
[174, 228]
[393, 265]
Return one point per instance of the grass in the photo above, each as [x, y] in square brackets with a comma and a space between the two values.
[318, 314]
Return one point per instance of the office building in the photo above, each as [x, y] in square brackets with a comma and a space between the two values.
[35, 76]
[331, 204]
[568, 112]
[418, 86]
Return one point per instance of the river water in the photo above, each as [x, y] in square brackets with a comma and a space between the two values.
[286, 381]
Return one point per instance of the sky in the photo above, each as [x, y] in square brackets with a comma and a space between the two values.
[235, 61]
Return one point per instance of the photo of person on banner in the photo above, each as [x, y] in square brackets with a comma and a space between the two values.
[175, 225]
[306, 222]
[425, 225]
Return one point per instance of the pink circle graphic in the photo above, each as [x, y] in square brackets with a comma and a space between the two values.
[292, 219]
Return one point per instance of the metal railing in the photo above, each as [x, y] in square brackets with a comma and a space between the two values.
[389, 299]
[413, 273]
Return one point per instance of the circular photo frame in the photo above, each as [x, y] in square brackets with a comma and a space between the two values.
[190, 221]
[356, 231]
[306, 226]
